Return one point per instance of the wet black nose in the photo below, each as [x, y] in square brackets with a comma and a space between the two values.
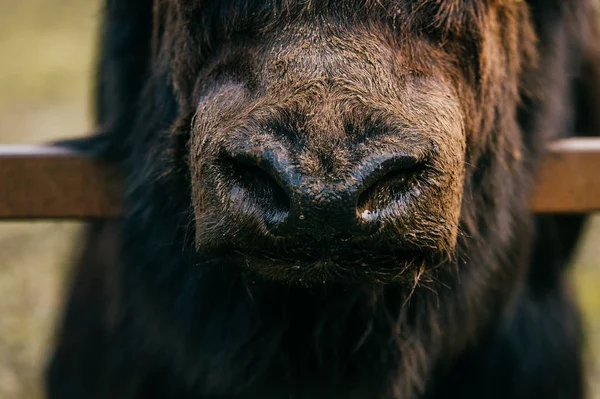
[270, 186]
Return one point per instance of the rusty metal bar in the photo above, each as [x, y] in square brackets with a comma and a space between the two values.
[569, 178]
[39, 182]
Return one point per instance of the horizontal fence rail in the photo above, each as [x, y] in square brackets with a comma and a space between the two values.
[39, 182]
[569, 178]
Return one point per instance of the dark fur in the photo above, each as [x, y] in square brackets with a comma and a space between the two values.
[149, 316]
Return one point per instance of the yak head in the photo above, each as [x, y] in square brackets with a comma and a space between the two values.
[352, 141]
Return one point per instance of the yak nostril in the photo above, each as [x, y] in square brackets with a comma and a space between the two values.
[261, 185]
[386, 187]
[259, 188]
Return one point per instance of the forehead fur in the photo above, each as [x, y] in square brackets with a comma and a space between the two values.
[475, 31]
[225, 17]
[486, 44]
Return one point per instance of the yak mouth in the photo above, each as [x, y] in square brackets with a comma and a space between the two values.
[312, 266]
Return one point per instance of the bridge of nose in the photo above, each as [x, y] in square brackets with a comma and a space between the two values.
[325, 206]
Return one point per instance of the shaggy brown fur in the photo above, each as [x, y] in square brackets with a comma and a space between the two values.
[454, 294]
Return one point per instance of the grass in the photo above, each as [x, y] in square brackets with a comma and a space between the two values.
[46, 55]
[46, 58]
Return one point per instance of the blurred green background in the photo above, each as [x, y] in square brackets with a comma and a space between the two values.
[47, 50]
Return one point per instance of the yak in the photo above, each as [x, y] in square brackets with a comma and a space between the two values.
[330, 199]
